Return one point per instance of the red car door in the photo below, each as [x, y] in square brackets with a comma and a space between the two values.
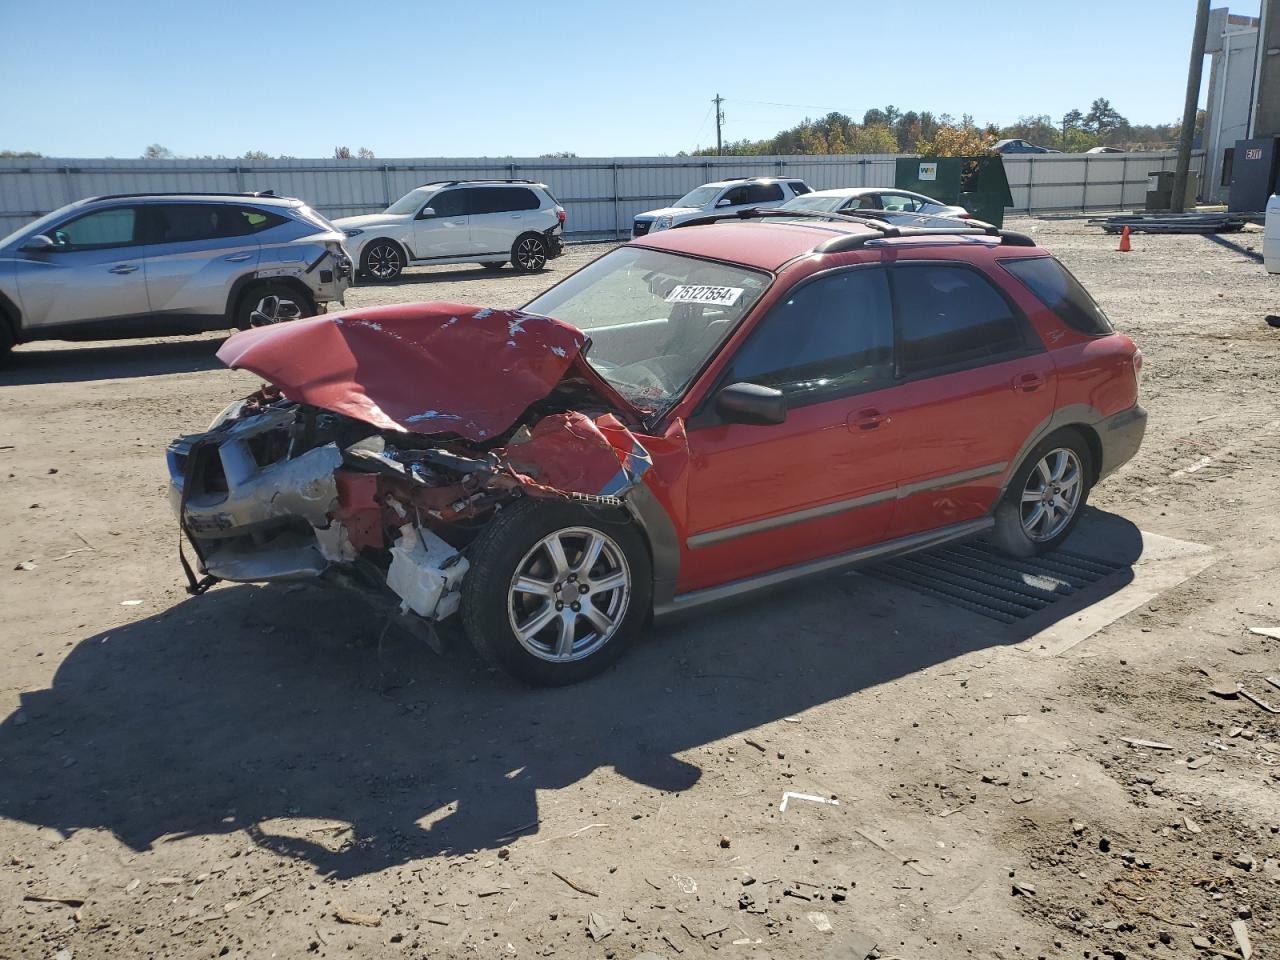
[762, 497]
[977, 382]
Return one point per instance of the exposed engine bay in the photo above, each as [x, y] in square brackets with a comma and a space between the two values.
[320, 472]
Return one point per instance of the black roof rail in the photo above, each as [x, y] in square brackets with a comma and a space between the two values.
[186, 193]
[454, 183]
[854, 240]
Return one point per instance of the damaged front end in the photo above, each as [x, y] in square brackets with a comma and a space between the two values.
[388, 439]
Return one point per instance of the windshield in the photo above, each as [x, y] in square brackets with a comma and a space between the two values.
[411, 201]
[697, 198]
[653, 318]
[811, 201]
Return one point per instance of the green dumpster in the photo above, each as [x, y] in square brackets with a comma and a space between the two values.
[978, 184]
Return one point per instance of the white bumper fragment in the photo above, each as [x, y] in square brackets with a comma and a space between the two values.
[426, 573]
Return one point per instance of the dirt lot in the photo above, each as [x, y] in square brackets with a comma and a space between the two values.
[253, 773]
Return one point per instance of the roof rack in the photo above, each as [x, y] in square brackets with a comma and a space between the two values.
[454, 183]
[885, 229]
[187, 193]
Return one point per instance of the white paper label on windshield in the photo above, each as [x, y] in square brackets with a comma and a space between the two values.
[701, 293]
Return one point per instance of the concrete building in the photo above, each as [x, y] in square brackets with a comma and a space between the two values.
[1232, 45]
[1243, 101]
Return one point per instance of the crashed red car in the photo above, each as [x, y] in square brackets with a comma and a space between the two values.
[697, 414]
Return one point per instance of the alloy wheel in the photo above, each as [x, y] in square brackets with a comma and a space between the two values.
[273, 309]
[531, 254]
[383, 261]
[569, 594]
[1051, 495]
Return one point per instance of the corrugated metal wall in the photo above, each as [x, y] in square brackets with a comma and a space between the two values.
[600, 194]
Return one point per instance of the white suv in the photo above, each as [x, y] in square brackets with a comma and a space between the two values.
[723, 196]
[489, 222]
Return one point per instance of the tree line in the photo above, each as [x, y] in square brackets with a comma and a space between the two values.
[890, 130]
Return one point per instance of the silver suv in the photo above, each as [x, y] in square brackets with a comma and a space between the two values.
[132, 265]
[490, 222]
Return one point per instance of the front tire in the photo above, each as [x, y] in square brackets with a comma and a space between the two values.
[382, 261]
[529, 253]
[557, 590]
[1046, 496]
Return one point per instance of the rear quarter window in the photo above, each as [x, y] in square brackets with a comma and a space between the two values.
[1062, 293]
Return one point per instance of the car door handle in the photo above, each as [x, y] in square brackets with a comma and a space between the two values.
[869, 419]
[1027, 382]
[122, 268]
[239, 257]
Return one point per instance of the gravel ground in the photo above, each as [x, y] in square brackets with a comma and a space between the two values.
[260, 772]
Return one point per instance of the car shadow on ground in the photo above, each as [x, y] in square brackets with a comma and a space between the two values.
[468, 271]
[72, 363]
[250, 704]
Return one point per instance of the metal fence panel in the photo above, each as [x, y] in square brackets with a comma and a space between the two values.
[601, 194]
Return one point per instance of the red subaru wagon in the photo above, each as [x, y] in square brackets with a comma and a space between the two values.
[695, 415]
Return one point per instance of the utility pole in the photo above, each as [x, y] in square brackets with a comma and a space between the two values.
[717, 100]
[1189, 108]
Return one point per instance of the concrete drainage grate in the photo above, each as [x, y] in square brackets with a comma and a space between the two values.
[976, 577]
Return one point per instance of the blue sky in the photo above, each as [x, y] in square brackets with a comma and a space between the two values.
[409, 78]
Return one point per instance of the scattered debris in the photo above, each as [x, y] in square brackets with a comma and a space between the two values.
[905, 861]
[1191, 825]
[724, 843]
[1145, 744]
[1199, 762]
[1272, 632]
[1225, 689]
[790, 795]
[995, 777]
[820, 921]
[597, 926]
[1024, 890]
[70, 899]
[25, 565]
[577, 886]
[1241, 930]
[130, 603]
[357, 919]
[752, 743]
[1258, 701]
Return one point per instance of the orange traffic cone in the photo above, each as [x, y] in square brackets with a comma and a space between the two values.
[1124, 240]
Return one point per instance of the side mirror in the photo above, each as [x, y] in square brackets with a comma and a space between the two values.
[722, 202]
[427, 212]
[39, 244]
[751, 403]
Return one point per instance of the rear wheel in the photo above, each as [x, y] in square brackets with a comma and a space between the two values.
[556, 591]
[382, 260]
[1046, 496]
[529, 253]
[266, 303]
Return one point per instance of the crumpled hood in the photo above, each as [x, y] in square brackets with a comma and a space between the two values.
[364, 221]
[421, 368]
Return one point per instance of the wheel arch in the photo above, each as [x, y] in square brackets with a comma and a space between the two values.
[244, 285]
[11, 317]
[383, 238]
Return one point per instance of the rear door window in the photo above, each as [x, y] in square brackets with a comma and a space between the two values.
[1062, 293]
[899, 202]
[115, 227]
[501, 199]
[190, 222]
[830, 337]
[950, 318]
[763, 192]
